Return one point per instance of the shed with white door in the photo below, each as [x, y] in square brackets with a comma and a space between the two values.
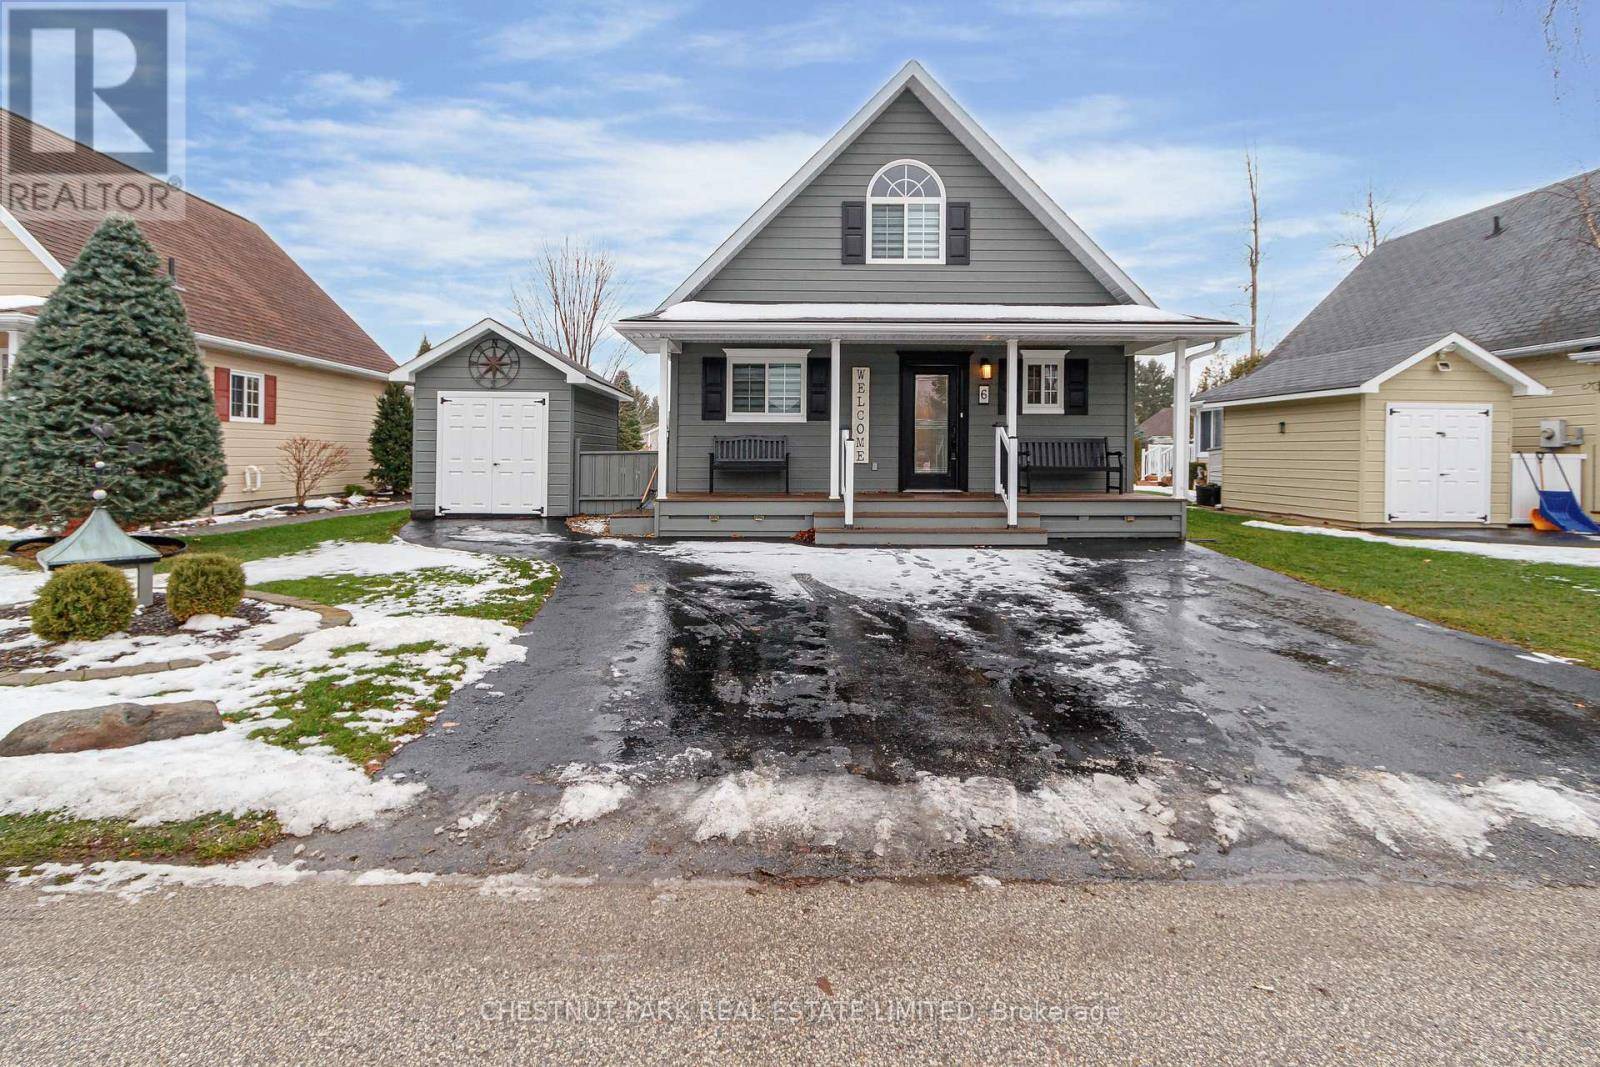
[1423, 440]
[500, 423]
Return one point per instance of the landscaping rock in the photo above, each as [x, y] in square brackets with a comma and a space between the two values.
[110, 726]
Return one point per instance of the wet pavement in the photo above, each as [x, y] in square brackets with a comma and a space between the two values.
[1097, 710]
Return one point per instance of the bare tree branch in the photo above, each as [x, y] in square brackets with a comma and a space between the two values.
[568, 300]
[1371, 232]
[1562, 24]
[307, 462]
[1252, 172]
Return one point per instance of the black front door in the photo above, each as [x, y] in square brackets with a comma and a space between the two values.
[933, 421]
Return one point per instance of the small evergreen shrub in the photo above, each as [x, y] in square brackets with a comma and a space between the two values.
[356, 490]
[83, 603]
[205, 584]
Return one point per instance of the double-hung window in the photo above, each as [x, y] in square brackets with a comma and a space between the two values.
[244, 397]
[905, 215]
[766, 385]
[1210, 430]
[1044, 383]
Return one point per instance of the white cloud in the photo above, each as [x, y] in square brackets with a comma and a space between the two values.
[831, 35]
[337, 87]
[568, 28]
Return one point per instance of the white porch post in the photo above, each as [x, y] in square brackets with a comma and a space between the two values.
[1013, 404]
[664, 418]
[1180, 420]
[834, 400]
[1012, 390]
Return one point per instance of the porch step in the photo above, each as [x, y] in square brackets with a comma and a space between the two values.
[948, 536]
[873, 518]
[923, 502]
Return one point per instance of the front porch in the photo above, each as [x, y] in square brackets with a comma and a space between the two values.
[938, 518]
[908, 424]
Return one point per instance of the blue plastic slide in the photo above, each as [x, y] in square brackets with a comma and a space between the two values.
[1561, 507]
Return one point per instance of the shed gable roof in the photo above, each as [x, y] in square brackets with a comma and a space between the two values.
[1535, 282]
[574, 372]
[914, 79]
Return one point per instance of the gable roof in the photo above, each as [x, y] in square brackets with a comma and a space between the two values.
[1158, 425]
[1533, 283]
[1359, 370]
[237, 285]
[915, 79]
[575, 372]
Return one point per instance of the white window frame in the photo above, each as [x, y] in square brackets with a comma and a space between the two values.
[1057, 358]
[1200, 431]
[261, 396]
[764, 357]
[938, 205]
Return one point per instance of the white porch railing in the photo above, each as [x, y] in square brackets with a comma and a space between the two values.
[847, 476]
[1005, 471]
[1156, 461]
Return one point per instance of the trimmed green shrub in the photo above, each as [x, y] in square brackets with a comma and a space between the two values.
[356, 490]
[83, 603]
[205, 584]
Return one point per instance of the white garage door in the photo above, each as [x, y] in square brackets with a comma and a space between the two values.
[1437, 459]
[492, 452]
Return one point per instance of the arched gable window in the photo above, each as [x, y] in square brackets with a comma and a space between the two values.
[905, 214]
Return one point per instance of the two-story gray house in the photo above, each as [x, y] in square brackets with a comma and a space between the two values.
[909, 343]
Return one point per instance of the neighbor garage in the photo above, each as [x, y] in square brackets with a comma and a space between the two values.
[1422, 437]
[500, 423]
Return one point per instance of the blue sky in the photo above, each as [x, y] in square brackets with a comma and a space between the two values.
[413, 155]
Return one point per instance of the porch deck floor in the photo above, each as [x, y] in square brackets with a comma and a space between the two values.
[881, 496]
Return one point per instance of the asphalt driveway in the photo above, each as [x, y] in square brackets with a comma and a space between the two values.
[1095, 710]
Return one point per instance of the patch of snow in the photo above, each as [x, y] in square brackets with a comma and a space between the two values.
[212, 623]
[384, 876]
[1564, 554]
[484, 535]
[20, 533]
[719, 311]
[588, 801]
[18, 585]
[592, 525]
[1401, 812]
[350, 558]
[984, 881]
[847, 811]
[1545, 657]
[185, 778]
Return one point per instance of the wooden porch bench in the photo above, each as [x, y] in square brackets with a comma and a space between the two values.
[750, 454]
[1068, 455]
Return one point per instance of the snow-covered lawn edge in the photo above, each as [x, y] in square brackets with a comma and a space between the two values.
[1568, 555]
[369, 688]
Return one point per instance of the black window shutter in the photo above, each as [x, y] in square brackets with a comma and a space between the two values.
[1077, 387]
[714, 389]
[853, 231]
[819, 373]
[1000, 384]
[958, 233]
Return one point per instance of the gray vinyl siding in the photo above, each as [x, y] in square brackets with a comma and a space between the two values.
[451, 375]
[1015, 259]
[1110, 415]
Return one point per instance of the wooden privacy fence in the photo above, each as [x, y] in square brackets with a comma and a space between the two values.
[612, 481]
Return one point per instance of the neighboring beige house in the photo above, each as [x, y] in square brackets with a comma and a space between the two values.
[285, 360]
[1429, 388]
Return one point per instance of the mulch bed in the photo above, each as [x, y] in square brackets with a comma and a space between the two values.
[154, 621]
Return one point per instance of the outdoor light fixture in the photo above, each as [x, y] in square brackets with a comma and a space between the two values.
[1283, 427]
[986, 368]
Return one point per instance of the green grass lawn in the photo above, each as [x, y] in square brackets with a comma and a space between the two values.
[28, 840]
[268, 541]
[1539, 606]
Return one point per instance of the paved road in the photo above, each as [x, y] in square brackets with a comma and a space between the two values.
[804, 712]
[1163, 974]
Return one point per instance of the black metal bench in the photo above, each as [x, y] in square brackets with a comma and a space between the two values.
[747, 454]
[1068, 455]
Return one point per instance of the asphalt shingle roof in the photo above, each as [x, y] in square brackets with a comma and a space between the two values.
[236, 282]
[1535, 282]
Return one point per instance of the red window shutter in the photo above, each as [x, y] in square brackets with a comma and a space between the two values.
[222, 377]
[269, 401]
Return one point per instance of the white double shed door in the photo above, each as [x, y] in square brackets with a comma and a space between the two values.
[1437, 461]
[493, 453]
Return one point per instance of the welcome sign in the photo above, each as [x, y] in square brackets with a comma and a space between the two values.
[860, 403]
